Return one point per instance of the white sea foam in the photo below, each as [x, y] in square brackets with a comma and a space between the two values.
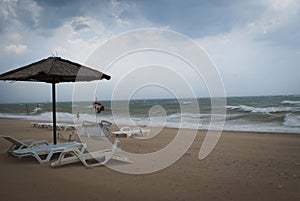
[265, 110]
[291, 120]
[290, 102]
[178, 115]
[46, 116]
[36, 110]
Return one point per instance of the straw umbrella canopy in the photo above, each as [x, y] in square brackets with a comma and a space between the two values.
[54, 70]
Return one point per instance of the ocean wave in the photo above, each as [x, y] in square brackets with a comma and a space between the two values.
[36, 110]
[264, 110]
[290, 102]
[283, 123]
[291, 120]
[46, 116]
[184, 115]
[186, 102]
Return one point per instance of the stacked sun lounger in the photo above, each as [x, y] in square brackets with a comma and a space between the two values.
[132, 132]
[60, 126]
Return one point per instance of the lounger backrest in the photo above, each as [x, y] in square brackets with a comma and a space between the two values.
[14, 141]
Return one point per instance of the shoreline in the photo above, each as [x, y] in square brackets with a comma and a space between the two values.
[204, 130]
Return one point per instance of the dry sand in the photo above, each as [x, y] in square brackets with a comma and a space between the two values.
[243, 166]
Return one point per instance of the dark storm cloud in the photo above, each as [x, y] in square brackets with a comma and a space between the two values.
[193, 18]
[50, 15]
[197, 18]
[201, 18]
[56, 3]
[16, 11]
[55, 13]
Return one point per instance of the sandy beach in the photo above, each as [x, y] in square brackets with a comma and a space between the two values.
[243, 166]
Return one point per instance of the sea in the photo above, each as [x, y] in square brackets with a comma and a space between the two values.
[275, 114]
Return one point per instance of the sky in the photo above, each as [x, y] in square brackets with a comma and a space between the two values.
[254, 45]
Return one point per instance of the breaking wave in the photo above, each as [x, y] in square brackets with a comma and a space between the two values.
[290, 102]
[291, 120]
[46, 116]
[261, 114]
[264, 110]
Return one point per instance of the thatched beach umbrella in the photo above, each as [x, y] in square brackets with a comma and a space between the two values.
[54, 70]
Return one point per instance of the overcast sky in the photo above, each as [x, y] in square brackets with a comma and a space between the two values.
[255, 44]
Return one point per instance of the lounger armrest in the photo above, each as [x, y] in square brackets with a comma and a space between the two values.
[83, 148]
[106, 122]
[30, 141]
[40, 142]
[116, 146]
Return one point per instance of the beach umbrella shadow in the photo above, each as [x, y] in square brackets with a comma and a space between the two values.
[54, 70]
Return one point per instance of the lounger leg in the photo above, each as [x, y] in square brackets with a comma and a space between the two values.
[10, 149]
[62, 160]
[107, 157]
[41, 161]
[37, 157]
[49, 156]
[13, 147]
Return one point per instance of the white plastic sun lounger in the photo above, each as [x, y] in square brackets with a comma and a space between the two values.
[21, 144]
[91, 129]
[42, 124]
[137, 131]
[60, 126]
[47, 150]
[73, 136]
[91, 159]
[67, 126]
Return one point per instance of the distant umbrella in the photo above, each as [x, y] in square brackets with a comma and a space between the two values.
[54, 70]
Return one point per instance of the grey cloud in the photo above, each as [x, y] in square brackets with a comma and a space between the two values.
[2, 24]
[55, 3]
[197, 18]
[56, 12]
[12, 12]
[52, 14]
[288, 35]
[204, 18]
[79, 24]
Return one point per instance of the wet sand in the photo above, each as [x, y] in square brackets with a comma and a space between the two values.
[243, 166]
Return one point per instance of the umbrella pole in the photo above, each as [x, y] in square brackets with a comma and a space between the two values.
[54, 112]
